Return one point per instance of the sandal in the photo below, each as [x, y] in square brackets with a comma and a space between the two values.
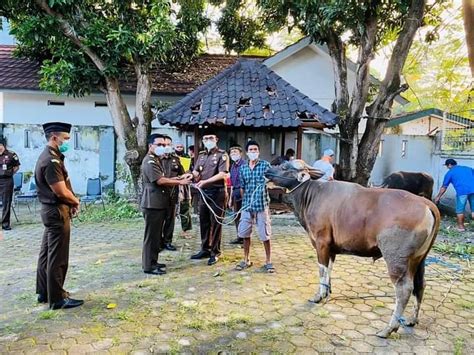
[243, 265]
[269, 268]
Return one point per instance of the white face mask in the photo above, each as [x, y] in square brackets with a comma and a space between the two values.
[160, 150]
[209, 145]
[252, 156]
[235, 157]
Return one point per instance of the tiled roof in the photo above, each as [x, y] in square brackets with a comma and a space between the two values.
[247, 94]
[22, 74]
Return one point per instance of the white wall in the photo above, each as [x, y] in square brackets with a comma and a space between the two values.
[426, 124]
[310, 71]
[32, 107]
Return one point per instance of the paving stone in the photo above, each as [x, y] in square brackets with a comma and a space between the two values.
[200, 309]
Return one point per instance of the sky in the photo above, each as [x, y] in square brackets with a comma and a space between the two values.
[5, 38]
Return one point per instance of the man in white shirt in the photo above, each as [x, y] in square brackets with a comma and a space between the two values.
[325, 164]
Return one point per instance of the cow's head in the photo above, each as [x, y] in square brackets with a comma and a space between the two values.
[292, 173]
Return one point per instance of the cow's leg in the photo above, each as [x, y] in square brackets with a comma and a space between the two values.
[418, 290]
[403, 283]
[324, 258]
[332, 258]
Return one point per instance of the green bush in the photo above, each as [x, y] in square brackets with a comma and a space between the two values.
[116, 209]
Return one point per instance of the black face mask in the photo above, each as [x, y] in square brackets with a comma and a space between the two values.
[179, 152]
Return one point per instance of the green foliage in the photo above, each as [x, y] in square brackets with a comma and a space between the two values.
[115, 210]
[437, 69]
[120, 33]
[457, 249]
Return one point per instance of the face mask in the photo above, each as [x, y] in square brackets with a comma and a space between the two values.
[63, 147]
[179, 152]
[235, 157]
[252, 156]
[160, 150]
[209, 145]
[168, 149]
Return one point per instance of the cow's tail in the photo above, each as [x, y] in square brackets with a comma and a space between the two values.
[419, 278]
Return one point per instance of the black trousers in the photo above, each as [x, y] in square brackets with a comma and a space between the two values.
[54, 254]
[170, 219]
[211, 231]
[185, 215]
[6, 191]
[154, 221]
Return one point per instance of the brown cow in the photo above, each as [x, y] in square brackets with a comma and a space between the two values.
[420, 184]
[346, 218]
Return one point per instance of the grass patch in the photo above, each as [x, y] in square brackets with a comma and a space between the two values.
[96, 330]
[116, 209]
[123, 315]
[458, 249]
[323, 313]
[465, 304]
[458, 346]
[379, 304]
[50, 314]
[196, 325]
[273, 334]
[169, 293]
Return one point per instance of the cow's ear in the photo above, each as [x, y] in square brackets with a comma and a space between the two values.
[303, 176]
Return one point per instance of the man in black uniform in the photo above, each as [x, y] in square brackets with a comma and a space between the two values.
[58, 205]
[9, 165]
[173, 168]
[210, 170]
[155, 202]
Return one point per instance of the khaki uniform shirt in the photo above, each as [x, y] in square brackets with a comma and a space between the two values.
[154, 196]
[172, 168]
[49, 170]
[8, 160]
[210, 163]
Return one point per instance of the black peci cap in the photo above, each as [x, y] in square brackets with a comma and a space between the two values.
[3, 141]
[209, 132]
[450, 162]
[56, 127]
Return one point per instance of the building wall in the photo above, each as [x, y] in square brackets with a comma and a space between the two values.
[425, 125]
[32, 107]
[421, 155]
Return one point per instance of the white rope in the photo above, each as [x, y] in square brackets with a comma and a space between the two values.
[236, 214]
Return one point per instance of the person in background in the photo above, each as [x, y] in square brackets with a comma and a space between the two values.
[9, 165]
[289, 155]
[325, 165]
[173, 168]
[256, 203]
[235, 195]
[184, 192]
[462, 178]
[194, 193]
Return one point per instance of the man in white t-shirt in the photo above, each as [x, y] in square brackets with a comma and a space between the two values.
[325, 164]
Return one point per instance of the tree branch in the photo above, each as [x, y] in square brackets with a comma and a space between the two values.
[70, 33]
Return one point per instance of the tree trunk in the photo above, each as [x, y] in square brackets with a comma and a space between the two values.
[380, 110]
[468, 11]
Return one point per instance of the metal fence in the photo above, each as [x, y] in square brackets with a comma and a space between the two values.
[458, 140]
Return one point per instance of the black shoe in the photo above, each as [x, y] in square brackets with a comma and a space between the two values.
[6, 228]
[156, 271]
[237, 241]
[42, 298]
[170, 247]
[201, 255]
[212, 260]
[66, 303]
[159, 265]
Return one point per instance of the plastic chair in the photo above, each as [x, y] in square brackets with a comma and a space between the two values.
[29, 196]
[93, 192]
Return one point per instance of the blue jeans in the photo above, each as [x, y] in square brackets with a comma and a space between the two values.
[461, 201]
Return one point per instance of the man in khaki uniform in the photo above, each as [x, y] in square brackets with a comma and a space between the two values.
[155, 202]
[173, 168]
[58, 205]
[9, 165]
[210, 170]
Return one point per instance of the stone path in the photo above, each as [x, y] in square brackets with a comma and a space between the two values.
[196, 308]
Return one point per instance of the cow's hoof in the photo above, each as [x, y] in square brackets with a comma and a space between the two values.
[411, 322]
[384, 333]
[317, 298]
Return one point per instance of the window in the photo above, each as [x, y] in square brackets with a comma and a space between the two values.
[76, 140]
[55, 103]
[27, 138]
[380, 148]
[404, 148]
[189, 141]
[100, 104]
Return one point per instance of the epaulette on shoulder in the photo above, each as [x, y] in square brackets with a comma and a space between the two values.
[202, 152]
[55, 161]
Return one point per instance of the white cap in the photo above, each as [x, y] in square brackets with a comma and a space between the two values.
[328, 152]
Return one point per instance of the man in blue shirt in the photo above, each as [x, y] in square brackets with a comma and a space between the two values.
[255, 205]
[462, 178]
